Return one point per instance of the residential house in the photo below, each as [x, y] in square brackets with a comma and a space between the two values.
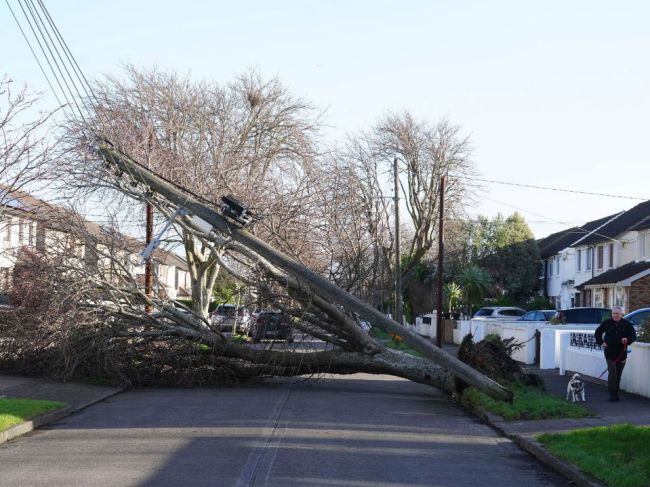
[601, 263]
[30, 223]
[620, 262]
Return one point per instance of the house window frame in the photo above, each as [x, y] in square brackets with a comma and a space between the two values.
[7, 233]
[600, 257]
[589, 258]
[598, 298]
[21, 231]
[579, 260]
[610, 251]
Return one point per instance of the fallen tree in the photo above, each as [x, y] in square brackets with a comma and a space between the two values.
[305, 286]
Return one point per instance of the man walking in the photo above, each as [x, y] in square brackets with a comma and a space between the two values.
[614, 336]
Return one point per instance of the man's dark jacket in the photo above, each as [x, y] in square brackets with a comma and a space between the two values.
[611, 333]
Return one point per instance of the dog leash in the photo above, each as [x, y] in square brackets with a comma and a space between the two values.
[617, 359]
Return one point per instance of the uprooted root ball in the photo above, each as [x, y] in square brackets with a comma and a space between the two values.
[492, 357]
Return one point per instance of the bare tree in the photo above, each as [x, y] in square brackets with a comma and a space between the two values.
[250, 138]
[24, 148]
[356, 241]
[425, 152]
[25, 152]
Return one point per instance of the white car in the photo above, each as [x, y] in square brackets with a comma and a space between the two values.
[229, 318]
[504, 313]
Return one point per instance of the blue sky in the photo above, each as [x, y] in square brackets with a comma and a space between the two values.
[552, 93]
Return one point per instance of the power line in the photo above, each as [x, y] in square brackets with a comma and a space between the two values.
[34, 53]
[562, 190]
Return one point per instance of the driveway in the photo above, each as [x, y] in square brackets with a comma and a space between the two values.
[356, 431]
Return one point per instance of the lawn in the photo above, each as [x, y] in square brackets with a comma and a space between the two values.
[528, 403]
[16, 411]
[618, 455]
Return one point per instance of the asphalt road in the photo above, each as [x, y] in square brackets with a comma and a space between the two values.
[355, 431]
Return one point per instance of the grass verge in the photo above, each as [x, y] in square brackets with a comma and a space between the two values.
[16, 411]
[618, 455]
[394, 342]
[528, 403]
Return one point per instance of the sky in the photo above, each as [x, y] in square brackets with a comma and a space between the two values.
[551, 93]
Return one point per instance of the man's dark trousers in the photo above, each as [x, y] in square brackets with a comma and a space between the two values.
[614, 372]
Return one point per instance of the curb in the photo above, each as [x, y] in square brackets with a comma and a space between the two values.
[49, 417]
[569, 471]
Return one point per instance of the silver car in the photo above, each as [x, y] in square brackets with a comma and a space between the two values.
[504, 313]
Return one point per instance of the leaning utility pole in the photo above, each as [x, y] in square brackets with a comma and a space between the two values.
[398, 271]
[441, 254]
[311, 281]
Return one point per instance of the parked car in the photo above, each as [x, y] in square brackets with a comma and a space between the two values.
[272, 324]
[638, 317]
[229, 316]
[504, 313]
[539, 315]
[583, 315]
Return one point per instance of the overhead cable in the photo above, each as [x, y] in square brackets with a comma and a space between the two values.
[562, 190]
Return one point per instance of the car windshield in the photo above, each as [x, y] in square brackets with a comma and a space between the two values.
[483, 312]
[229, 311]
[226, 311]
[268, 317]
[548, 314]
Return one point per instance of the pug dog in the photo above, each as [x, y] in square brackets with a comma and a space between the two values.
[575, 389]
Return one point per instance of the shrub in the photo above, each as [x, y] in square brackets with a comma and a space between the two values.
[539, 302]
[644, 332]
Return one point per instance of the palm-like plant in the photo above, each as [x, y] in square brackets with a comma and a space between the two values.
[453, 293]
[476, 283]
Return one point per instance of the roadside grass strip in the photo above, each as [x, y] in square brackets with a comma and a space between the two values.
[618, 455]
[529, 403]
[392, 341]
[16, 411]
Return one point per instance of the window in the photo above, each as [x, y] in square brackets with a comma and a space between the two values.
[589, 258]
[598, 298]
[21, 231]
[557, 266]
[8, 231]
[620, 297]
[600, 256]
[579, 260]
[610, 252]
[642, 250]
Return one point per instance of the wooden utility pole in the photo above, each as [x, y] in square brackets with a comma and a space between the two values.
[398, 271]
[441, 255]
[148, 264]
